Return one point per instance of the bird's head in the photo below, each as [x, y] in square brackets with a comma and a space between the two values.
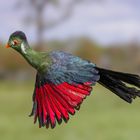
[18, 41]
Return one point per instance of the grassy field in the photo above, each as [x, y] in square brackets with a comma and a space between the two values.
[103, 116]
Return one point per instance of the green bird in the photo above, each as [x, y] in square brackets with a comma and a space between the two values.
[63, 81]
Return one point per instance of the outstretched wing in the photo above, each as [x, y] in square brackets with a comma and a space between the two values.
[62, 88]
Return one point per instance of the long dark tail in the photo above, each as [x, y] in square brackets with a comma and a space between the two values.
[117, 83]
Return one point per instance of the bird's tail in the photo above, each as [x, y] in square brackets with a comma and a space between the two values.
[117, 82]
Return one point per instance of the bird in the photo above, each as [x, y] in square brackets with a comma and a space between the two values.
[63, 81]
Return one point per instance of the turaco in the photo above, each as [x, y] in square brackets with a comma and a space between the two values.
[63, 81]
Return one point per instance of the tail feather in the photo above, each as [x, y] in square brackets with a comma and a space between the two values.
[116, 82]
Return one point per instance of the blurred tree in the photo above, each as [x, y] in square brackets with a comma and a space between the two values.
[36, 14]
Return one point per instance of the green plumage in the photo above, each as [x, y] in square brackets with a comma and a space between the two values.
[40, 61]
[56, 66]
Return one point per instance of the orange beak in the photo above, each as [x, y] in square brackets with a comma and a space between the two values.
[7, 46]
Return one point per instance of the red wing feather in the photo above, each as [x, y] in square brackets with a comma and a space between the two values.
[55, 102]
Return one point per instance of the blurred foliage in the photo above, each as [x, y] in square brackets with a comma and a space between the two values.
[122, 57]
[88, 50]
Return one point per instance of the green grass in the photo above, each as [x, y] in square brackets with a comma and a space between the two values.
[103, 116]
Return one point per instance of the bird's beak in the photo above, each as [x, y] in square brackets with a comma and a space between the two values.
[7, 46]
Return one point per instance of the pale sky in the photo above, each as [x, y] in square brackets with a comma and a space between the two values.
[105, 22]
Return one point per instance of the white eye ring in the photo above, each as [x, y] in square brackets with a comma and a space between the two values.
[15, 42]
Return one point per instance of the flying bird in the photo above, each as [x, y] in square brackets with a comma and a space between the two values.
[63, 81]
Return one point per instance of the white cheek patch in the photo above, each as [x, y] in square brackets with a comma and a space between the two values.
[13, 43]
[23, 48]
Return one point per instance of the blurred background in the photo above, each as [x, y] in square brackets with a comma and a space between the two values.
[107, 32]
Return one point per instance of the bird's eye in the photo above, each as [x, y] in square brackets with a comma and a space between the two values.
[15, 42]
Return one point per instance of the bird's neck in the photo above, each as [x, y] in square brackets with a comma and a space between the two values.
[32, 57]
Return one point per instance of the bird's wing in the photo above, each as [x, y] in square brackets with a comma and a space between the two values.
[62, 88]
